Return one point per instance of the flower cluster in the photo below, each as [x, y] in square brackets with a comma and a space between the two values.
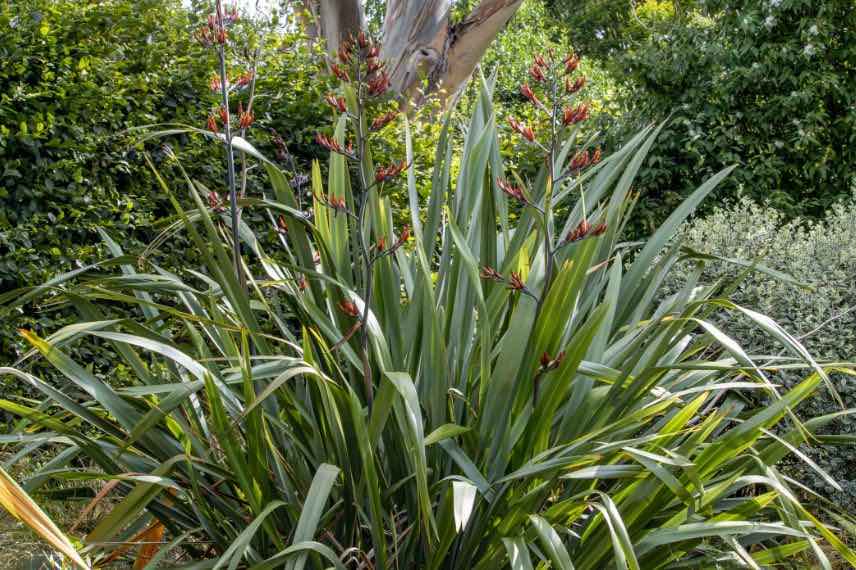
[512, 190]
[514, 283]
[337, 204]
[214, 31]
[584, 230]
[333, 145]
[384, 173]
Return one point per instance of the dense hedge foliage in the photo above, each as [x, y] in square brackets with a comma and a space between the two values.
[75, 76]
[767, 84]
[822, 315]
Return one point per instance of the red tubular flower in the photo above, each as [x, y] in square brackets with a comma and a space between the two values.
[579, 232]
[244, 79]
[539, 61]
[212, 124]
[549, 363]
[362, 40]
[527, 92]
[580, 160]
[337, 103]
[301, 283]
[523, 130]
[571, 61]
[515, 283]
[215, 84]
[380, 122]
[381, 244]
[488, 272]
[545, 359]
[511, 190]
[245, 118]
[537, 74]
[373, 65]
[224, 114]
[349, 308]
[572, 116]
[576, 85]
[374, 51]
[340, 72]
[214, 202]
[384, 173]
[378, 84]
[330, 144]
[599, 229]
[344, 52]
[596, 157]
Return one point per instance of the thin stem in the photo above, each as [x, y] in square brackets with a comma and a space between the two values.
[244, 166]
[364, 248]
[230, 158]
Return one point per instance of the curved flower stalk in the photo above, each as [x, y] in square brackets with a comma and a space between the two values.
[462, 393]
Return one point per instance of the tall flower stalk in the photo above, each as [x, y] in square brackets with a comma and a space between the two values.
[365, 82]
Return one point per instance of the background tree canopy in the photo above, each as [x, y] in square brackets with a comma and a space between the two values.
[766, 84]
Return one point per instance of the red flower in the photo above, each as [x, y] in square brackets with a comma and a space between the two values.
[378, 84]
[344, 52]
[527, 92]
[571, 61]
[380, 122]
[215, 84]
[245, 118]
[488, 272]
[580, 160]
[384, 173]
[523, 130]
[515, 283]
[579, 232]
[381, 243]
[374, 51]
[224, 114]
[340, 73]
[244, 79]
[281, 225]
[301, 283]
[349, 308]
[599, 229]
[596, 157]
[537, 74]
[362, 40]
[576, 85]
[373, 65]
[572, 116]
[212, 124]
[337, 103]
[333, 145]
[539, 61]
[549, 363]
[511, 190]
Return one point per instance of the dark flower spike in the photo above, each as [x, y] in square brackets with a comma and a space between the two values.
[512, 190]
[349, 308]
[337, 103]
[384, 173]
[549, 363]
[380, 122]
[488, 272]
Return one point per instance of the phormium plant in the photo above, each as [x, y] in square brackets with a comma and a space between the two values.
[462, 393]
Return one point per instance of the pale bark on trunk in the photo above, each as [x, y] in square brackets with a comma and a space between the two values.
[423, 50]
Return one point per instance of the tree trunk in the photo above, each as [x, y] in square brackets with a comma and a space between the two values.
[340, 19]
[420, 42]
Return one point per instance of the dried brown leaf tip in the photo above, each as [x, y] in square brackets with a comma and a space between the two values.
[349, 308]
